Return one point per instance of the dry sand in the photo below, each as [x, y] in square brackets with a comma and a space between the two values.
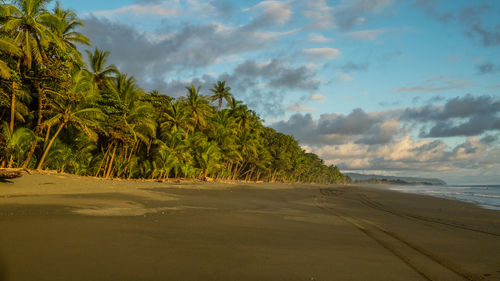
[62, 227]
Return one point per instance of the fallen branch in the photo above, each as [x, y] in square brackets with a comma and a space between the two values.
[10, 173]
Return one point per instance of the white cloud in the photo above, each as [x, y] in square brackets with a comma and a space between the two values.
[320, 13]
[276, 11]
[138, 10]
[318, 38]
[405, 153]
[322, 53]
[317, 97]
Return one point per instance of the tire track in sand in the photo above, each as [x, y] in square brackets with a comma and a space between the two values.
[378, 206]
[423, 262]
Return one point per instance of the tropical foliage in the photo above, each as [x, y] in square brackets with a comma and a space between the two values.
[59, 113]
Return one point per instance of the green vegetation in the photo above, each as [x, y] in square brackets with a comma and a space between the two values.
[58, 113]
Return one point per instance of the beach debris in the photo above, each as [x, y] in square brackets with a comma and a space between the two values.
[8, 173]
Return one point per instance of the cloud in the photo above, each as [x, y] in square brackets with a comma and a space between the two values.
[154, 57]
[318, 38]
[473, 18]
[351, 67]
[317, 97]
[358, 126]
[403, 155]
[431, 10]
[299, 107]
[139, 11]
[461, 116]
[302, 125]
[320, 13]
[355, 123]
[437, 84]
[380, 133]
[261, 85]
[350, 13]
[344, 16]
[343, 77]
[488, 139]
[271, 12]
[278, 74]
[488, 67]
[322, 53]
[368, 35]
[385, 141]
[459, 107]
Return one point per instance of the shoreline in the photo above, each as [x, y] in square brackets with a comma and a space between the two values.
[449, 192]
[65, 227]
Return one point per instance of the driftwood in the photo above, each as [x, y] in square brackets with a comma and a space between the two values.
[10, 173]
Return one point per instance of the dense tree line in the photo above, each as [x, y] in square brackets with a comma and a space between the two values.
[59, 113]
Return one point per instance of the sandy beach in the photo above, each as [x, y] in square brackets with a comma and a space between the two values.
[63, 227]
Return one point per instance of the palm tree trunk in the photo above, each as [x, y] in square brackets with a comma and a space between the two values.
[220, 103]
[47, 135]
[38, 127]
[30, 154]
[105, 156]
[111, 162]
[108, 157]
[11, 160]
[13, 107]
[49, 145]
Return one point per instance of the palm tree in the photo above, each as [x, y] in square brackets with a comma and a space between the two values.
[176, 118]
[207, 157]
[64, 29]
[27, 22]
[132, 119]
[99, 73]
[71, 109]
[198, 106]
[16, 143]
[221, 92]
[9, 46]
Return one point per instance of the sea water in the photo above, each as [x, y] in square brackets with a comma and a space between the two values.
[485, 196]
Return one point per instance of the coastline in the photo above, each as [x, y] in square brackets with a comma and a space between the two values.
[66, 227]
[483, 196]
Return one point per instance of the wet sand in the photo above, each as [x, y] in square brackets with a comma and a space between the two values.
[62, 227]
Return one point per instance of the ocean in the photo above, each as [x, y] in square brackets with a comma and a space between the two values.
[485, 196]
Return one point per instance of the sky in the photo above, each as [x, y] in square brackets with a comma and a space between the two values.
[393, 87]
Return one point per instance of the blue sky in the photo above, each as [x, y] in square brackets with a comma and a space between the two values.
[375, 86]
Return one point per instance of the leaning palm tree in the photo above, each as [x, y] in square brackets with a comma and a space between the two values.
[71, 109]
[221, 92]
[133, 119]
